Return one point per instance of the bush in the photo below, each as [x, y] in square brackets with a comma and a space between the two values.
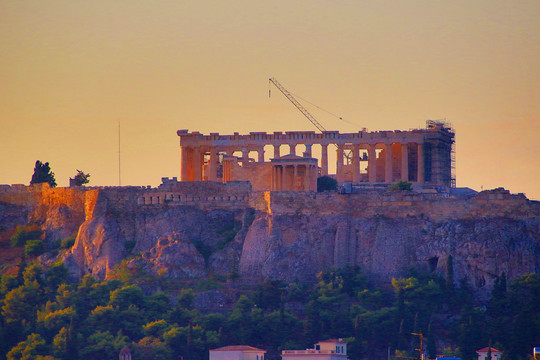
[401, 186]
[68, 242]
[33, 248]
[23, 233]
[129, 245]
[326, 183]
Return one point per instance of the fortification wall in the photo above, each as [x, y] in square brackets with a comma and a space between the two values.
[204, 194]
[18, 194]
[496, 203]
[234, 195]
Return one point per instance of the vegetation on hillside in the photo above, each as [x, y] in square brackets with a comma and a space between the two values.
[44, 315]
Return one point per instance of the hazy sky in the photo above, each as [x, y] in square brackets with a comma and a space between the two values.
[70, 71]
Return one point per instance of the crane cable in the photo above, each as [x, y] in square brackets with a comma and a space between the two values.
[318, 107]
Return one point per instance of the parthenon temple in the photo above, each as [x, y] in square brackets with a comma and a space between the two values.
[422, 156]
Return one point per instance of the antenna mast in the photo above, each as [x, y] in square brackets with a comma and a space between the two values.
[119, 179]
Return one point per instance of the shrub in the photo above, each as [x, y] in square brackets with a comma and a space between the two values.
[23, 233]
[33, 248]
[129, 245]
[326, 183]
[68, 242]
[401, 186]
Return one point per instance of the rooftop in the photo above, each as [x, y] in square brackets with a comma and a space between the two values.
[486, 349]
[238, 348]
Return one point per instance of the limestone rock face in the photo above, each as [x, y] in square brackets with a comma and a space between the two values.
[297, 247]
[61, 222]
[97, 249]
[175, 257]
[178, 241]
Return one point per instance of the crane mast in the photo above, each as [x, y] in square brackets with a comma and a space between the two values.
[299, 106]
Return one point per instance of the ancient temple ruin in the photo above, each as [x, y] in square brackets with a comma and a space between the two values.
[424, 157]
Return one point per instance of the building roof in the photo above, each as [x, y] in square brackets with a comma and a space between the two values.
[340, 341]
[292, 158]
[238, 348]
[486, 349]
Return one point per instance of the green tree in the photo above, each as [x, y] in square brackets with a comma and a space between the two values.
[43, 174]
[23, 233]
[101, 345]
[20, 304]
[268, 294]
[126, 296]
[33, 248]
[326, 183]
[151, 348]
[61, 342]
[7, 284]
[80, 178]
[28, 349]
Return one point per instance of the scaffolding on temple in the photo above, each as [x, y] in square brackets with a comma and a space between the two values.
[440, 154]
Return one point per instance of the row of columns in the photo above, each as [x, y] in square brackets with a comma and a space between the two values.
[372, 162]
[192, 161]
[290, 178]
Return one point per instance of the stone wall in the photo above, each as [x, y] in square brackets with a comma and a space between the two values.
[495, 203]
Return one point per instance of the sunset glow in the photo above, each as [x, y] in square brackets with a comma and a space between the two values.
[72, 70]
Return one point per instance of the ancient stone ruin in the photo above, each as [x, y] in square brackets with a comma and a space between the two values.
[421, 156]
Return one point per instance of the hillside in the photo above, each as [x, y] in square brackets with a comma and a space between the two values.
[196, 230]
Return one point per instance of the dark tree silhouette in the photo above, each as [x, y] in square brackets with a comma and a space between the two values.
[80, 179]
[326, 183]
[43, 174]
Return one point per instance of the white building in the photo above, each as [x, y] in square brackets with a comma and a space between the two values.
[332, 349]
[237, 352]
[495, 354]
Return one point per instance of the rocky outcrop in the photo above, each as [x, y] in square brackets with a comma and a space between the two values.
[301, 246]
[285, 235]
[175, 257]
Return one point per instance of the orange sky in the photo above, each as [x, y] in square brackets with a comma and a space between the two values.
[71, 70]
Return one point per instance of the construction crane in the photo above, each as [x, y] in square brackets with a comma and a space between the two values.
[303, 110]
[299, 106]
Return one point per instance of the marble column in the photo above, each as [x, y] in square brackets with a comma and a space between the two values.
[324, 159]
[372, 163]
[183, 163]
[388, 164]
[314, 174]
[245, 157]
[273, 187]
[420, 163]
[339, 164]
[260, 154]
[213, 165]
[295, 178]
[292, 148]
[197, 164]
[308, 150]
[405, 162]
[356, 163]
[276, 151]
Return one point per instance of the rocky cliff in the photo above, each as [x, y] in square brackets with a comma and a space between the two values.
[201, 230]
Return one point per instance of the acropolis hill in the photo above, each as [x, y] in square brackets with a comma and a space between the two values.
[263, 219]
